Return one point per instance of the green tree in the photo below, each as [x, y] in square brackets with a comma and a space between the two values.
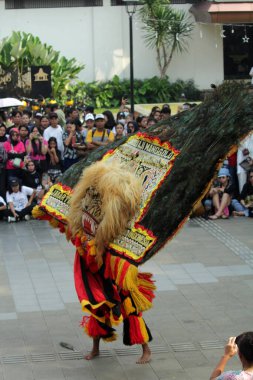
[165, 29]
[22, 50]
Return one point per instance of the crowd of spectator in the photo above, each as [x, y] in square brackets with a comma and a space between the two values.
[37, 147]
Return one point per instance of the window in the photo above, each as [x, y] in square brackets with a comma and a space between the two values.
[26, 4]
[121, 2]
[238, 55]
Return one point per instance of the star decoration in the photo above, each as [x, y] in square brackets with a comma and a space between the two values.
[222, 33]
[245, 39]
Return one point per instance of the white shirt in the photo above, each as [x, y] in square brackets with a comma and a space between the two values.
[20, 198]
[57, 133]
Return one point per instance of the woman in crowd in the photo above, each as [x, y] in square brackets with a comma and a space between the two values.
[16, 152]
[245, 151]
[119, 131]
[243, 346]
[132, 127]
[221, 195]
[53, 157]
[20, 207]
[31, 177]
[36, 148]
[109, 119]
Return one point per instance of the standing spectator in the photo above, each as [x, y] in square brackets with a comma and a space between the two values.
[54, 130]
[24, 134]
[54, 108]
[44, 123]
[17, 198]
[100, 136]
[54, 161]
[71, 139]
[119, 131]
[89, 124]
[165, 112]
[3, 159]
[16, 119]
[16, 152]
[26, 119]
[132, 127]
[109, 119]
[36, 148]
[73, 114]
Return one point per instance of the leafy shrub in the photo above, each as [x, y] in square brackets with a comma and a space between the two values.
[153, 90]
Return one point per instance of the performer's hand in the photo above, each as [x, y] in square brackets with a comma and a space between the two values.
[231, 348]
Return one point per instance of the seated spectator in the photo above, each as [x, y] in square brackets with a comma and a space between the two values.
[221, 195]
[243, 346]
[246, 199]
[245, 151]
[36, 148]
[31, 177]
[100, 136]
[54, 161]
[71, 140]
[20, 207]
[3, 208]
[16, 152]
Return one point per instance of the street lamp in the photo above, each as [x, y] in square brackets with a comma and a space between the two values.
[131, 9]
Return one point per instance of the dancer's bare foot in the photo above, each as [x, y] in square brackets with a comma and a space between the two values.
[95, 350]
[146, 354]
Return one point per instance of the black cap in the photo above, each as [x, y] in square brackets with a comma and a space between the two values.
[14, 182]
[53, 115]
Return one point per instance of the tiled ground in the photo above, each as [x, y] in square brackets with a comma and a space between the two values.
[204, 283]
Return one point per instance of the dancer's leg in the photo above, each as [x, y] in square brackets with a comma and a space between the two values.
[95, 349]
[146, 354]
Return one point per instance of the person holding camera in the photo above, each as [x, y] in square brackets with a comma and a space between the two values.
[243, 346]
[36, 148]
[72, 140]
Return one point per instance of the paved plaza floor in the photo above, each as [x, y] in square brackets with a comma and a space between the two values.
[204, 295]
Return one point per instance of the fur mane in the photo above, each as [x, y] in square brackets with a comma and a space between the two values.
[120, 193]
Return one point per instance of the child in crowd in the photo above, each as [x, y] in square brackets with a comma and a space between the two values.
[119, 131]
[54, 162]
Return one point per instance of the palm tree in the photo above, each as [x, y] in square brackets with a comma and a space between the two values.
[166, 30]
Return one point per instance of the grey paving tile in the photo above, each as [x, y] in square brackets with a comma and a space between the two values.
[8, 316]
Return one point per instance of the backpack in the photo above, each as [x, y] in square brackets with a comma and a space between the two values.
[103, 136]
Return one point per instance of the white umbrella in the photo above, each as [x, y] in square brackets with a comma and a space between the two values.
[9, 102]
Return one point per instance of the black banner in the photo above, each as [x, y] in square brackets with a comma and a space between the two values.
[41, 81]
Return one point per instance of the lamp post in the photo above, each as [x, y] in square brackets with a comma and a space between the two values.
[131, 7]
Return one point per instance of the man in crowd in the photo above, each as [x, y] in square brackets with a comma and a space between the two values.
[54, 130]
[100, 136]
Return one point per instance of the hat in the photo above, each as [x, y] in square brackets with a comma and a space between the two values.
[53, 115]
[89, 116]
[224, 172]
[100, 116]
[14, 182]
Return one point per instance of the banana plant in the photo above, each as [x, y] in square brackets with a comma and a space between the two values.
[22, 50]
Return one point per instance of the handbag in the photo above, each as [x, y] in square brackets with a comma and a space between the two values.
[17, 162]
[246, 164]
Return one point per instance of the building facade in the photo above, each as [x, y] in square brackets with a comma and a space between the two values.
[96, 33]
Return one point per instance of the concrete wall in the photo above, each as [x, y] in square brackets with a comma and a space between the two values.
[99, 38]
